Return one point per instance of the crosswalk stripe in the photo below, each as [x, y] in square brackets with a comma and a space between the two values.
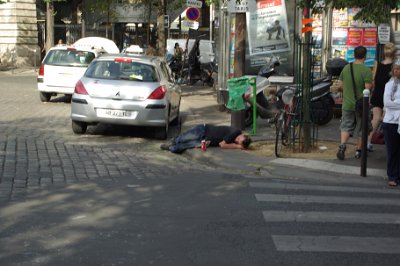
[331, 217]
[326, 199]
[321, 188]
[348, 244]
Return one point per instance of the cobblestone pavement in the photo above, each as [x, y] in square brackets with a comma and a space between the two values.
[38, 148]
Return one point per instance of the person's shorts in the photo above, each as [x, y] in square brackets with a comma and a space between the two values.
[352, 123]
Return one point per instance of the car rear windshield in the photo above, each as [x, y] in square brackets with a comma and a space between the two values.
[135, 71]
[69, 58]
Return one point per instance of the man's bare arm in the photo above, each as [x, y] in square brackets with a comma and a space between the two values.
[225, 145]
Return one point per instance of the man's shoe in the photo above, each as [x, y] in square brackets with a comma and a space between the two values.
[341, 152]
[165, 146]
[370, 147]
[358, 154]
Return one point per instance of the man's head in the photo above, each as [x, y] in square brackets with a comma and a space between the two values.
[176, 45]
[243, 140]
[360, 52]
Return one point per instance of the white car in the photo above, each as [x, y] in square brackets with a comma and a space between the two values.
[62, 67]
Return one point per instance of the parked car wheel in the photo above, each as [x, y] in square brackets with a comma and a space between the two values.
[45, 96]
[79, 127]
[161, 132]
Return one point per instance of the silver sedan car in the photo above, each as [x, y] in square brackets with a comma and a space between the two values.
[126, 90]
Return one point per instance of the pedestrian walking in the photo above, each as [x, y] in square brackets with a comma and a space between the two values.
[361, 76]
[151, 51]
[381, 76]
[225, 137]
[391, 125]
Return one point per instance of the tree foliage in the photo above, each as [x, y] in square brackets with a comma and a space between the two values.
[377, 11]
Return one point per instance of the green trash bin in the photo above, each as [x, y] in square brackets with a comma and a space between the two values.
[237, 88]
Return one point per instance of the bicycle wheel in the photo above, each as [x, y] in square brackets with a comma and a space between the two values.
[281, 139]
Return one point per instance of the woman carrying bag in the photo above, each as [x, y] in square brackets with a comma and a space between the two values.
[381, 76]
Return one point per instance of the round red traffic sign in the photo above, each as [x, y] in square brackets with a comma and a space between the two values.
[192, 13]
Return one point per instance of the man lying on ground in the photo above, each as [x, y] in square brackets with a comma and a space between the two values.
[225, 137]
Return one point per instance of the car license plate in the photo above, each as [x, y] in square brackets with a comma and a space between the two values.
[115, 113]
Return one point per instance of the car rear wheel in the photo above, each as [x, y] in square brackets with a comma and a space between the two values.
[44, 96]
[79, 127]
[161, 132]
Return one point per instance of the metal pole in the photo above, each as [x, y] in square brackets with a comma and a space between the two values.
[252, 81]
[364, 137]
[12, 61]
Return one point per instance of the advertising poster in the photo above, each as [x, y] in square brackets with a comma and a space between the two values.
[340, 18]
[354, 37]
[268, 28]
[371, 55]
[370, 36]
[232, 48]
[339, 36]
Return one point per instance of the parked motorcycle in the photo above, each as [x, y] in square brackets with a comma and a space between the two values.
[321, 99]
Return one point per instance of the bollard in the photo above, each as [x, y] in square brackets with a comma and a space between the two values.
[364, 137]
[34, 60]
[252, 82]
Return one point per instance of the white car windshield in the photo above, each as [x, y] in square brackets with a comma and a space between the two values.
[133, 71]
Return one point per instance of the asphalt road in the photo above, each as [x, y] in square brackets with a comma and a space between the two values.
[111, 197]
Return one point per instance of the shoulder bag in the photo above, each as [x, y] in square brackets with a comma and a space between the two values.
[359, 102]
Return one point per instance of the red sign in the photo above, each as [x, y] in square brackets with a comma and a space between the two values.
[369, 37]
[354, 37]
[193, 13]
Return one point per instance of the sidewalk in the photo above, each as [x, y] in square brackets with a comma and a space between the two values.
[199, 106]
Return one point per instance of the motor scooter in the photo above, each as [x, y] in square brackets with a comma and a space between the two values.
[321, 99]
[264, 109]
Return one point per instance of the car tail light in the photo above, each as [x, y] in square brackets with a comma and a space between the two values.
[80, 89]
[41, 70]
[123, 60]
[158, 93]
[71, 49]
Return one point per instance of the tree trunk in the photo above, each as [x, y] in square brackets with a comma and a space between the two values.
[240, 45]
[161, 29]
[150, 3]
[49, 25]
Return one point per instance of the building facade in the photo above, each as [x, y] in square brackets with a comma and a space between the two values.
[18, 34]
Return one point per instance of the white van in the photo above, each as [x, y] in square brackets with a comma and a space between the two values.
[206, 48]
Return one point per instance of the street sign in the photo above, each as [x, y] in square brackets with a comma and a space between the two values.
[166, 21]
[384, 33]
[192, 13]
[190, 24]
[242, 6]
[194, 3]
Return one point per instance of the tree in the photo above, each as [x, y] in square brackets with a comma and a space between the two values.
[49, 23]
[377, 11]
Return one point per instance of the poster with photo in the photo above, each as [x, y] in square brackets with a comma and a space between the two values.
[268, 28]
[339, 36]
[354, 37]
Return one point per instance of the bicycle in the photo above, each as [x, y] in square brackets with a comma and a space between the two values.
[287, 120]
